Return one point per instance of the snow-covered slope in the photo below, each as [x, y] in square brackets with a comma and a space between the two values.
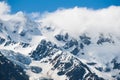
[18, 33]
[98, 52]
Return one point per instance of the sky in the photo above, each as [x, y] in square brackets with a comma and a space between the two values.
[29, 6]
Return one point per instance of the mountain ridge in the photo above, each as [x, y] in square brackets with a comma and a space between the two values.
[36, 45]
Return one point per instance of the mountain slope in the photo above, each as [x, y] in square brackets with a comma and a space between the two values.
[47, 52]
[10, 71]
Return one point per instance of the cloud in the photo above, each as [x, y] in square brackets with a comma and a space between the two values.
[35, 15]
[4, 8]
[11, 20]
[76, 20]
[79, 20]
[5, 14]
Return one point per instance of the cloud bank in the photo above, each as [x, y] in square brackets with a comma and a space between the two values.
[75, 20]
[79, 20]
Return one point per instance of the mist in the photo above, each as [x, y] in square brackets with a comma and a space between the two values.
[79, 20]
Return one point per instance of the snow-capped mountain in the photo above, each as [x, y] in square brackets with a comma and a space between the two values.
[18, 33]
[35, 51]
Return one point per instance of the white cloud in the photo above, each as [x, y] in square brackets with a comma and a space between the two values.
[6, 15]
[79, 20]
[11, 19]
[75, 20]
[4, 8]
[35, 15]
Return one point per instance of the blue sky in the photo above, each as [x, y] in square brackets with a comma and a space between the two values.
[52, 5]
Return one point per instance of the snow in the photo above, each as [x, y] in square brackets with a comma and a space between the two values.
[47, 71]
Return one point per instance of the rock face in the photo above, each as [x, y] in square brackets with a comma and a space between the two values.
[11, 71]
[63, 62]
